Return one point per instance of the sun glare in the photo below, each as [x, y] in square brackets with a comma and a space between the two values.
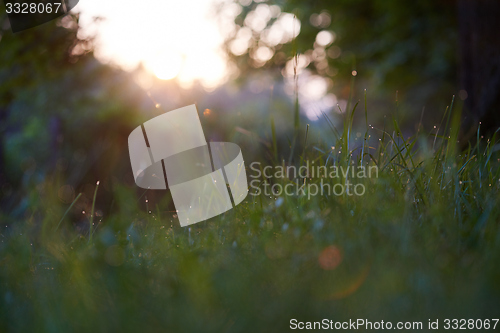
[173, 39]
[165, 66]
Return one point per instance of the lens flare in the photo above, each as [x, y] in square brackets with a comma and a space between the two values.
[330, 258]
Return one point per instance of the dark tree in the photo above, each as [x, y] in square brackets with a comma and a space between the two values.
[480, 60]
[59, 106]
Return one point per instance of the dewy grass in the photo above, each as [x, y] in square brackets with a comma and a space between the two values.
[422, 243]
[91, 220]
[67, 211]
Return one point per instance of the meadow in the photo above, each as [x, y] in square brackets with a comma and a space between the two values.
[421, 244]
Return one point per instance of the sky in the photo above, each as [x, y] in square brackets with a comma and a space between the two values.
[172, 38]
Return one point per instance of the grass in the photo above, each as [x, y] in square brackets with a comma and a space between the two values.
[422, 243]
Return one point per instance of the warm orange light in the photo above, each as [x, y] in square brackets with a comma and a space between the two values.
[330, 258]
[172, 39]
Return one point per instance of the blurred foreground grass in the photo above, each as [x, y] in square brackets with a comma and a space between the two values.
[422, 243]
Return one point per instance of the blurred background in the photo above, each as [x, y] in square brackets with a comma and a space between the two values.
[265, 75]
[72, 89]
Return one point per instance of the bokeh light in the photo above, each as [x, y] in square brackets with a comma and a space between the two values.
[325, 38]
[330, 258]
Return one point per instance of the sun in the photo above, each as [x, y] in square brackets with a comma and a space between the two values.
[165, 65]
[179, 40]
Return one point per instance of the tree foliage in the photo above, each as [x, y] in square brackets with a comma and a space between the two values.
[393, 45]
[60, 109]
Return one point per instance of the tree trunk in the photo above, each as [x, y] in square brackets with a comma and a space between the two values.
[480, 61]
